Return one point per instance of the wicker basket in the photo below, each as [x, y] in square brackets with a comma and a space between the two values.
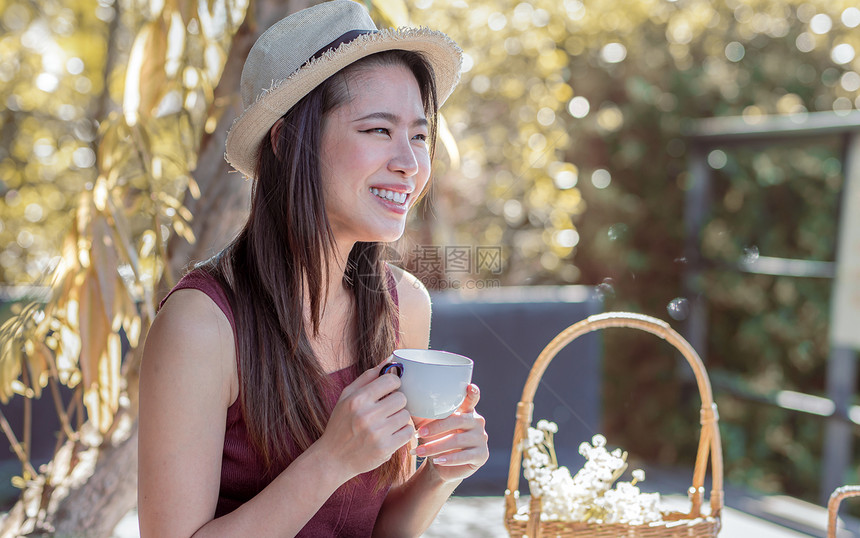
[833, 506]
[691, 524]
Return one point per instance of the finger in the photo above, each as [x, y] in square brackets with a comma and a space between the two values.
[364, 379]
[456, 422]
[473, 395]
[371, 386]
[393, 403]
[474, 457]
[452, 442]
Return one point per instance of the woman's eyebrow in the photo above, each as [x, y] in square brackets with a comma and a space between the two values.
[392, 118]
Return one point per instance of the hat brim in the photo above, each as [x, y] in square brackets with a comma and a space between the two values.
[247, 132]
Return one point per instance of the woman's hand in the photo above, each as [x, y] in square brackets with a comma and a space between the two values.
[368, 424]
[457, 445]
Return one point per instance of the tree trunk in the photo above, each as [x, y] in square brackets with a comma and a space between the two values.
[225, 194]
[89, 499]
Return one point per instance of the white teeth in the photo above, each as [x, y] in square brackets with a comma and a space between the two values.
[399, 197]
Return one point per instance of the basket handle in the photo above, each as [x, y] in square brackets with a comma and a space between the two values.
[833, 506]
[709, 441]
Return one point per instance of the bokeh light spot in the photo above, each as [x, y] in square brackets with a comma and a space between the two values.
[84, 157]
[805, 42]
[566, 179]
[546, 116]
[47, 82]
[578, 107]
[842, 53]
[468, 63]
[480, 84]
[497, 21]
[568, 238]
[610, 118]
[821, 23]
[601, 178]
[33, 212]
[75, 66]
[842, 106]
[735, 51]
[717, 159]
[851, 17]
[850, 81]
[613, 53]
[25, 239]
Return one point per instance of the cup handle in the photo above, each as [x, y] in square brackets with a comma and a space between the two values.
[394, 367]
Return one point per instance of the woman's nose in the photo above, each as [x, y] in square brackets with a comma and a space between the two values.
[404, 161]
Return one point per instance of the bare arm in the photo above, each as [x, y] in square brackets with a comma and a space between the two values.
[459, 440]
[188, 380]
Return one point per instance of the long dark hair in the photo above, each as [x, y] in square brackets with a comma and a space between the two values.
[279, 262]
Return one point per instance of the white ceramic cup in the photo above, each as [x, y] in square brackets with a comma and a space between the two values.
[434, 382]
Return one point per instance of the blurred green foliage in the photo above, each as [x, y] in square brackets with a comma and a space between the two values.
[571, 119]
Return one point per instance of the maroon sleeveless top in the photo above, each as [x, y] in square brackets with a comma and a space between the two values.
[352, 508]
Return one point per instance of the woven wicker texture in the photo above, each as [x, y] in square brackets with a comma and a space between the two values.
[833, 506]
[690, 524]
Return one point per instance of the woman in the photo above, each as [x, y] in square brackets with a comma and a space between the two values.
[262, 407]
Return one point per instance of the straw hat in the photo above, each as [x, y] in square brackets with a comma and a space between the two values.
[298, 53]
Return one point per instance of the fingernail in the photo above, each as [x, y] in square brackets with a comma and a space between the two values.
[423, 432]
[440, 459]
[420, 451]
[473, 389]
[412, 451]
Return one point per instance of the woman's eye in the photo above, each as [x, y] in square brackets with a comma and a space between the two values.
[421, 137]
[379, 130]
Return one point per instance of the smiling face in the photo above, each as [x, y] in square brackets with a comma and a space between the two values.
[374, 158]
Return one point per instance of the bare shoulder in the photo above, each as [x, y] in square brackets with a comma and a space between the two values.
[191, 332]
[415, 310]
[188, 380]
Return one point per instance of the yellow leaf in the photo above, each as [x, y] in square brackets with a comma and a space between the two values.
[10, 369]
[105, 265]
[95, 327]
[145, 77]
[449, 142]
[193, 187]
[394, 12]
[132, 331]
[183, 230]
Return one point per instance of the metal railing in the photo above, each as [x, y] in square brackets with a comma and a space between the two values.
[732, 132]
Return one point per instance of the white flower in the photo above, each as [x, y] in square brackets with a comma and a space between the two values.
[588, 495]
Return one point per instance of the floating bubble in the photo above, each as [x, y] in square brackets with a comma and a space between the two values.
[679, 308]
[617, 231]
[751, 254]
[605, 290]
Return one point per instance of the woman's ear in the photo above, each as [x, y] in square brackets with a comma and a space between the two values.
[274, 136]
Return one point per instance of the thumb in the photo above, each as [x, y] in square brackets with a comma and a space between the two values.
[473, 395]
